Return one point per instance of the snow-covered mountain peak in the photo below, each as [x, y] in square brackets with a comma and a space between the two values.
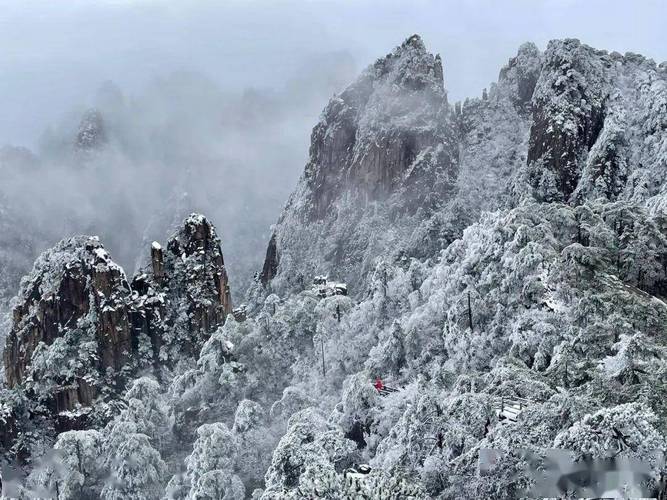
[410, 66]
[92, 133]
[597, 126]
[196, 234]
[520, 74]
[71, 324]
[385, 147]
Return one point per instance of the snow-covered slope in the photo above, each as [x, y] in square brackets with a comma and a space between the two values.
[598, 126]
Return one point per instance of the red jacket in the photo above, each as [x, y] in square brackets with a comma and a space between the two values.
[378, 384]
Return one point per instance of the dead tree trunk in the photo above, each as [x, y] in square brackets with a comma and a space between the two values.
[324, 370]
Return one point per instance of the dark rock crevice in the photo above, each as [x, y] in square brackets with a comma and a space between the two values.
[271, 262]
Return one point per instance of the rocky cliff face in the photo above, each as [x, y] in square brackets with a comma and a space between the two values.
[380, 135]
[384, 150]
[80, 328]
[520, 75]
[598, 126]
[192, 277]
[76, 302]
[396, 171]
[572, 124]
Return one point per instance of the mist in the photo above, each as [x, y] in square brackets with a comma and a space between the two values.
[182, 144]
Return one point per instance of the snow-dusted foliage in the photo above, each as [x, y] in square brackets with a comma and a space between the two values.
[74, 469]
[546, 303]
[71, 326]
[309, 448]
[137, 470]
[191, 276]
[451, 294]
[628, 427]
[211, 464]
[597, 126]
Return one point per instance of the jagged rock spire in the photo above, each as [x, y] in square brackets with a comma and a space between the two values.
[196, 277]
[371, 134]
[72, 324]
[80, 328]
[92, 133]
[385, 141]
[521, 73]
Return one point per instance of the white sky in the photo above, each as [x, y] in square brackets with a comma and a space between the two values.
[54, 54]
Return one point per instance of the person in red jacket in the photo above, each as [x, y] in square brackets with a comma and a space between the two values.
[378, 384]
